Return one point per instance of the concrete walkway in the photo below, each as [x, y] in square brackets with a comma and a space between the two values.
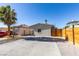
[68, 49]
[29, 48]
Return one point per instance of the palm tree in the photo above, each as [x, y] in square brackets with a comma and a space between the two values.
[7, 16]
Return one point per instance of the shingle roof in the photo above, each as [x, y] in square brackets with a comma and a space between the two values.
[41, 26]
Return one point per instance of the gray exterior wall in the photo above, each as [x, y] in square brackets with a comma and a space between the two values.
[45, 32]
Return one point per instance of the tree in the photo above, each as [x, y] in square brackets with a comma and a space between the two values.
[7, 16]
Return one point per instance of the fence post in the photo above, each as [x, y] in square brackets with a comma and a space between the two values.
[65, 32]
[66, 36]
[55, 31]
[73, 34]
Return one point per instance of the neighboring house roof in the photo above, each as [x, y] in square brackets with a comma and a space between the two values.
[23, 26]
[73, 23]
[69, 24]
[42, 26]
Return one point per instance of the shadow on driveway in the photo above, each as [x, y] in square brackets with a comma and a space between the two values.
[45, 39]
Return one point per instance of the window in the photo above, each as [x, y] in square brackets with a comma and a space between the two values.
[39, 30]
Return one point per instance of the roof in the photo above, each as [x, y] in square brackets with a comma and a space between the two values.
[41, 26]
[73, 22]
[22, 25]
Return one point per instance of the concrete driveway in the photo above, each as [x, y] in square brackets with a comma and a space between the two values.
[68, 49]
[29, 48]
[38, 47]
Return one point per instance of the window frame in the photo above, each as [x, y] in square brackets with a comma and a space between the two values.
[39, 30]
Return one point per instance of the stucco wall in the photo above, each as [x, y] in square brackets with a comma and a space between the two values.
[23, 31]
[45, 32]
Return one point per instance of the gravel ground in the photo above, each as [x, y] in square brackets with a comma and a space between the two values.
[29, 48]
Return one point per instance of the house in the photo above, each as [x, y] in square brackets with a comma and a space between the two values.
[42, 29]
[22, 30]
[4, 29]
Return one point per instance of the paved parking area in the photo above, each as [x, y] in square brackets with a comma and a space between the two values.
[22, 47]
[68, 49]
[29, 48]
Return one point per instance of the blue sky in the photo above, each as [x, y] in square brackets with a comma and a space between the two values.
[57, 14]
